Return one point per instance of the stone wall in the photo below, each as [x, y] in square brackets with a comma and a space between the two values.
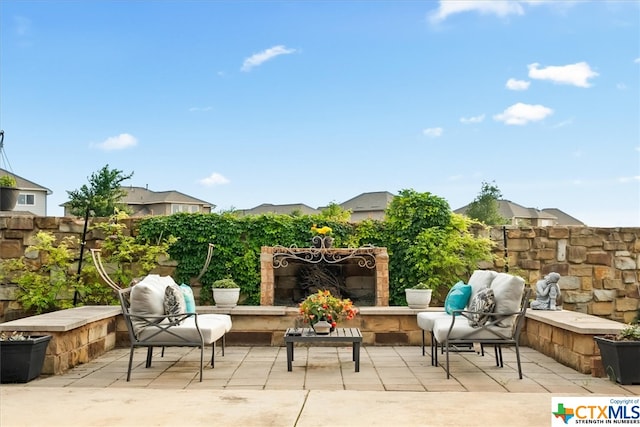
[599, 266]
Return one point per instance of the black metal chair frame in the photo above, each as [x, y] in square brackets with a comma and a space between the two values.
[452, 344]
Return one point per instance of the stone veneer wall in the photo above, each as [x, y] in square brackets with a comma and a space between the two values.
[599, 266]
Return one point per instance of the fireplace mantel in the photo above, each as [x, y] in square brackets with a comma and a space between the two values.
[373, 258]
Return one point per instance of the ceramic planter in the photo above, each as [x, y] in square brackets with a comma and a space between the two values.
[8, 198]
[418, 298]
[620, 359]
[21, 361]
[226, 297]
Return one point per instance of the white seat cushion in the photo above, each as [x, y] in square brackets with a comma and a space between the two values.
[212, 330]
[225, 319]
[426, 319]
[462, 330]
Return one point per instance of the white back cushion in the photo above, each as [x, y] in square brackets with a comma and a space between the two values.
[480, 279]
[508, 291]
[147, 298]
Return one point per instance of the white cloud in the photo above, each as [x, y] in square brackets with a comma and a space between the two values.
[573, 74]
[471, 120]
[637, 60]
[433, 132]
[625, 179]
[513, 84]
[214, 179]
[192, 109]
[258, 58]
[621, 86]
[494, 7]
[120, 142]
[521, 114]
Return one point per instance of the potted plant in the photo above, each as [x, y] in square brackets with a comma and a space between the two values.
[8, 193]
[226, 293]
[21, 356]
[323, 306]
[321, 236]
[419, 296]
[621, 353]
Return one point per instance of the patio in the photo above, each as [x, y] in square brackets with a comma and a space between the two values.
[251, 386]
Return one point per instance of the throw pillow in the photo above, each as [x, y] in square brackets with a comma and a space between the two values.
[457, 298]
[483, 302]
[189, 300]
[174, 303]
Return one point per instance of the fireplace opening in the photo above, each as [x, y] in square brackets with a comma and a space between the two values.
[289, 275]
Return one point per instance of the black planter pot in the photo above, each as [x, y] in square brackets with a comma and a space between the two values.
[8, 198]
[620, 360]
[21, 361]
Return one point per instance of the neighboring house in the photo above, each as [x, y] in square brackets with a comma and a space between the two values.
[280, 209]
[519, 215]
[368, 205]
[144, 202]
[32, 198]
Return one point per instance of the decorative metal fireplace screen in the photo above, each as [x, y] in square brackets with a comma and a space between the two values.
[289, 274]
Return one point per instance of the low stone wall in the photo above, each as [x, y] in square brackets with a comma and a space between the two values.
[79, 335]
[567, 337]
[84, 333]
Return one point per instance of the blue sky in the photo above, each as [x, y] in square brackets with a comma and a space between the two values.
[243, 103]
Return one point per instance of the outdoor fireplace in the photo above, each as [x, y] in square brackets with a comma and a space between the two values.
[289, 274]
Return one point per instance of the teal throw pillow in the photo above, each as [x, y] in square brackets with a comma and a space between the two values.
[458, 297]
[189, 300]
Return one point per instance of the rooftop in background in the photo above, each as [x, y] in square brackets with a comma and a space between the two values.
[519, 215]
[143, 201]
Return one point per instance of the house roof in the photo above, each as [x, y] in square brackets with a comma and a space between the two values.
[563, 218]
[373, 201]
[144, 196]
[24, 184]
[510, 210]
[280, 209]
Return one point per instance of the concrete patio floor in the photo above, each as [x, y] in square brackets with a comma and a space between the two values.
[250, 386]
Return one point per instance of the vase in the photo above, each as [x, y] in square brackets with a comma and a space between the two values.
[322, 242]
[322, 327]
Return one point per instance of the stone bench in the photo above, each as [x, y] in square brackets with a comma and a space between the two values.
[567, 336]
[79, 334]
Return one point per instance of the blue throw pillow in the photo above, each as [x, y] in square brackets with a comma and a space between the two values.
[458, 297]
[189, 300]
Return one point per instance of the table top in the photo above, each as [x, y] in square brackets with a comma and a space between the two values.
[308, 334]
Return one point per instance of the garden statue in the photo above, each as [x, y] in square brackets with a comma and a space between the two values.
[547, 292]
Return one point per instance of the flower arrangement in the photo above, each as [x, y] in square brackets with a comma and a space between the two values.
[323, 305]
[321, 231]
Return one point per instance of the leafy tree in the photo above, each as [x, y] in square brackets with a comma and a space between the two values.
[336, 213]
[485, 206]
[102, 194]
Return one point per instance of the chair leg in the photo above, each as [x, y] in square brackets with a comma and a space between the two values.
[434, 350]
[201, 360]
[423, 342]
[446, 343]
[213, 354]
[149, 357]
[518, 359]
[495, 350]
[130, 364]
[224, 343]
